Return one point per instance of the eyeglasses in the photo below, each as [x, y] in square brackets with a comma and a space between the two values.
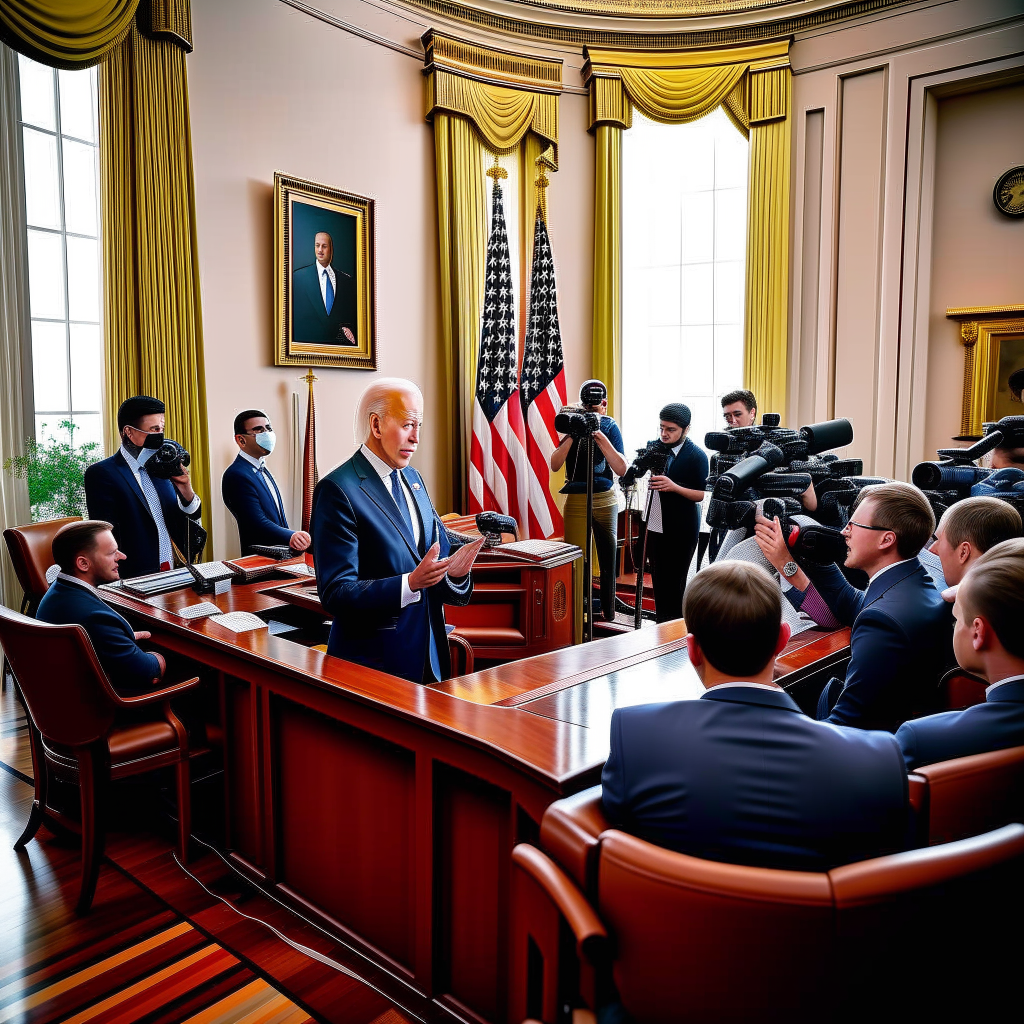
[864, 526]
[268, 429]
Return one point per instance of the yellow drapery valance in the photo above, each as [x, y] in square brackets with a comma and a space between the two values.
[752, 84]
[66, 33]
[477, 97]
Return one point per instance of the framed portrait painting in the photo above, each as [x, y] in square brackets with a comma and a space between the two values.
[324, 291]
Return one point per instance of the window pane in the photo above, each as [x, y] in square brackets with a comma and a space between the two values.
[729, 279]
[50, 367]
[45, 275]
[663, 295]
[42, 179]
[89, 429]
[79, 188]
[698, 293]
[83, 279]
[728, 357]
[730, 224]
[699, 227]
[86, 368]
[698, 360]
[732, 153]
[36, 82]
[77, 104]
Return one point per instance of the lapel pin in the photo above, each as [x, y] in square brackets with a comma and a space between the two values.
[415, 487]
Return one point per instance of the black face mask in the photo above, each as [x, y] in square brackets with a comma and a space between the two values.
[153, 441]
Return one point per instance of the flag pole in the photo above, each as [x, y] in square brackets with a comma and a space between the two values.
[309, 474]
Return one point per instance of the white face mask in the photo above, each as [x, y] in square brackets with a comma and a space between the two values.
[266, 440]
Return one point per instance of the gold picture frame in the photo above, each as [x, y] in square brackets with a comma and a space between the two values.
[991, 336]
[324, 265]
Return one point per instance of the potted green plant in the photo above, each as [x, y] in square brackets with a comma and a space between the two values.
[55, 471]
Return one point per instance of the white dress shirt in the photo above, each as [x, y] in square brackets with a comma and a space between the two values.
[322, 274]
[999, 682]
[264, 476]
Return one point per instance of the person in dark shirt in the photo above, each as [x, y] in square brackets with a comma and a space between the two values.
[608, 463]
[673, 519]
[87, 555]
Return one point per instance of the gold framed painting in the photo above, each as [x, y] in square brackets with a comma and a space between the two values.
[324, 303]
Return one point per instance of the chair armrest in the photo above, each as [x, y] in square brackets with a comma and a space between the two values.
[591, 935]
[158, 695]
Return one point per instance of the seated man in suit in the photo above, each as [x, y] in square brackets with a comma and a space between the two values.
[989, 641]
[251, 493]
[385, 567]
[968, 529]
[900, 626]
[87, 555]
[323, 298]
[149, 514]
[742, 775]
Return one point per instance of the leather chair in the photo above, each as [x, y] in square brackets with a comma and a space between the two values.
[77, 735]
[30, 551]
[959, 689]
[686, 938]
[461, 652]
[969, 795]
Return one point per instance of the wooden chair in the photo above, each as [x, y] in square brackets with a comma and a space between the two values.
[74, 711]
[30, 548]
[696, 940]
[959, 689]
[461, 652]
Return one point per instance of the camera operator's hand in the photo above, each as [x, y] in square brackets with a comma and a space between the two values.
[809, 499]
[183, 485]
[663, 483]
[615, 458]
[770, 539]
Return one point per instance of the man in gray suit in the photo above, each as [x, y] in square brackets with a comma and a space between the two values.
[323, 299]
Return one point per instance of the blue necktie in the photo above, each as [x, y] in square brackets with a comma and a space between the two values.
[329, 293]
[403, 507]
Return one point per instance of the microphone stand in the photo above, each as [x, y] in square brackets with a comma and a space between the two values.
[588, 569]
[638, 608]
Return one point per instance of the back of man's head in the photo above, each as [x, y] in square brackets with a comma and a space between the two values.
[993, 589]
[76, 539]
[734, 612]
[905, 510]
[981, 522]
[132, 410]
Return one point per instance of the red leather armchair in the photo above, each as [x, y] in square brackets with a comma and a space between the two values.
[31, 554]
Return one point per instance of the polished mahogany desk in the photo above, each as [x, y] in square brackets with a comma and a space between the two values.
[389, 810]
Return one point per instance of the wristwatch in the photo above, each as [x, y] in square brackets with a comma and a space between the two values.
[790, 569]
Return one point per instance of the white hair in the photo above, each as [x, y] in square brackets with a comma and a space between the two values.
[376, 399]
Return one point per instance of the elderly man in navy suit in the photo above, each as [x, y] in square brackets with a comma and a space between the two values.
[385, 566]
[251, 493]
[900, 626]
[989, 641]
[87, 555]
[742, 775]
[150, 515]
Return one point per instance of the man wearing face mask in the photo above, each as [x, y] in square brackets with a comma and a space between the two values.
[149, 515]
[251, 493]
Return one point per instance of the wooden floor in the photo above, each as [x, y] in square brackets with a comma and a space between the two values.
[156, 947]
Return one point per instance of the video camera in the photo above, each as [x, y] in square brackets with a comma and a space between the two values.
[168, 460]
[651, 459]
[577, 422]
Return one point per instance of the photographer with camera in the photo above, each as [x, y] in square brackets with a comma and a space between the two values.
[673, 519]
[608, 460]
[143, 490]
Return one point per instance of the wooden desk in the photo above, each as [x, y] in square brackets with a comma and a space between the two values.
[388, 810]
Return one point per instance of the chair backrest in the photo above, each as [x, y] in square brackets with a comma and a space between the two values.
[959, 689]
[461, 653]
[570, 833]
[971, 795]
[697, 940]
[30, 550]
[66, 691]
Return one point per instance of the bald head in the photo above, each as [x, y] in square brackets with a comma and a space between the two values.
[388, 418]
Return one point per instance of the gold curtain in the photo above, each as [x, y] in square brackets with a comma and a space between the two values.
[752, 84]
[66, 33]
[152, 317]
[509, 98]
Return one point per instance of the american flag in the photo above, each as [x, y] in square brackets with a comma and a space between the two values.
[498, 467]
[542, 388]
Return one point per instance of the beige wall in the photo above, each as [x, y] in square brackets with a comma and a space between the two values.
[273, 89]
[977, 252]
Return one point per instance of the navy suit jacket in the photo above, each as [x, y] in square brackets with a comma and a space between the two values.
[743, 776]
[252, 505]
[994, 725]
[361, 549]
[113, 494]
[899, 644]
[131, 670]
[310, 319]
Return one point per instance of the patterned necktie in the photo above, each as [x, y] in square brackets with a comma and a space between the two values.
[403, 507]
[269, 484]
[329, 293]
[156, 509]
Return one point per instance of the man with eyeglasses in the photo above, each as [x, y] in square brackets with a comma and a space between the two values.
[900, 626]
[251, 493]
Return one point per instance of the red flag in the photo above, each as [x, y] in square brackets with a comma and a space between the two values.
[309, 473]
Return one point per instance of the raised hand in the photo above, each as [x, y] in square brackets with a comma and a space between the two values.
[431, 569]
[462, 561]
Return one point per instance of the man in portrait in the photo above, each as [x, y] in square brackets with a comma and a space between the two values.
[323, 298]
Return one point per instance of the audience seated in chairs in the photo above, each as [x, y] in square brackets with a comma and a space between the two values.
[970, 528]
[900, 626]
[88, 555]
[742, 775]
[988, 640]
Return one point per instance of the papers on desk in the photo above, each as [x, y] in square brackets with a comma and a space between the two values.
[198, 611]
[299, 569]
[239, 622]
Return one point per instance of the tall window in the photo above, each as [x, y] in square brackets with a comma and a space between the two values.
[60, 141]
[684, 230]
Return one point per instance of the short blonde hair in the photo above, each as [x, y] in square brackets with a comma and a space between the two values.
[983, 522]
[375, 401]
[904, 509]
[993, 588]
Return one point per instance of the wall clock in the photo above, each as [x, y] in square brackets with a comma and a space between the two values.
[1008, 195]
